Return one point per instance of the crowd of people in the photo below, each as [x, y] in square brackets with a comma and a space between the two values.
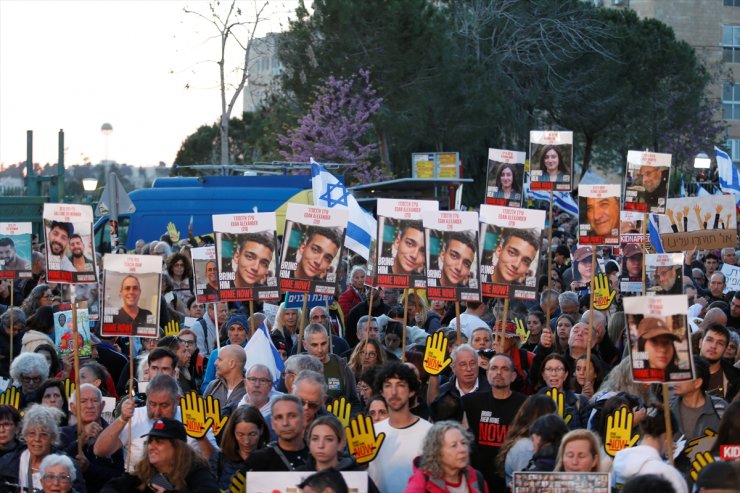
[520, 393]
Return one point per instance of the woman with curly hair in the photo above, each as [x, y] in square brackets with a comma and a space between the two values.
[40, 296]
[367, 354]
[181, 273]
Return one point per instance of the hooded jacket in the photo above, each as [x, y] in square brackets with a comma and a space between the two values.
[641, 460]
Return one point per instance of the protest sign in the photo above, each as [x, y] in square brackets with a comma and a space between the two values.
[452, 255]
[699, 222]
[582, 267]
[646, 181]
[561, 482]
[550, 160]
[631, 239]
[660, 346]
[295, 300]
[312, 247]
[288, 481]
[401, 248]
[15, 250]
[510, 240]
[732, 277]
[205, 272]
[246, 249]
[598, 216]
[88, 293]
[505, 177]
[63, 330]
[131, 293]
[664, 273]
[70, 253]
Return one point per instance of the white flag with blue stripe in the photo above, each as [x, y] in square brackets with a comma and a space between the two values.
[561, 200]
[729, 176]
[260, 349]
[682, 190]
[654, 234]
[329, 192]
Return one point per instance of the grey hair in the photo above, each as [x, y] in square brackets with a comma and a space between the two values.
[18, 316]
[319, 307]
[52, 460]
[98, 393]
[315, 329]
[364, 320]
[141, 367]
[568, 297]
[431, 449]
[164, 383]
[287, 398]
[299, 362]
[548, 292]
[29, 364]
[312, 377]
[355, 269]
[463, 347]
[260, 366]
[38, 416]
[599, 318]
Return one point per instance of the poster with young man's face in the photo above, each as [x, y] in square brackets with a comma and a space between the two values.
[70, 253]
[246, 246]
[205, 271]
[312, 248]
[660, 345]
[646, 181]
[452, 255]
[510, 242]
[401, 246]
[598, 221]
[551, 160]
[505, 177]
[15, 250]
[664, 273]
[131, 293]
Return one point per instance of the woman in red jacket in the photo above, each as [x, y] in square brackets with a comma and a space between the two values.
[355, 292]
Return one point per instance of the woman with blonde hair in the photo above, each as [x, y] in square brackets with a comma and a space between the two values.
[367, 354]
[287, 322]
[579, 452]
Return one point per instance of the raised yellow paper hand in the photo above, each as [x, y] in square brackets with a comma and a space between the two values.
[238, 483]
[194, 415]
[11, 397]
[69, 387]
[619, 432]
[521, 330]
[699, 463]
[173, 233]
[341, 409]
[213, 411]
[172, 328]
[362, 442]
[435, 354]
[700, 444]
[559, 399]
[603, 294]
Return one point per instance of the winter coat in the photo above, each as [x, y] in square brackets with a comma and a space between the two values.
[423, 482]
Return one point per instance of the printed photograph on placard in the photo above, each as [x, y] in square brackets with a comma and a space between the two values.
[205, 272]
[646, 181]
[70, 253]
[505, 177]
[598, 217]
[401, 249]
[583, 269]
[660, 345]
[510, 241]
[246, 248]
[311, 249]
[452, 255]
[664, 273]
[63, 330]
[15, 250]
[630, 277]
[561, 482]
[699, 222]
[131, 294]
[550, 160]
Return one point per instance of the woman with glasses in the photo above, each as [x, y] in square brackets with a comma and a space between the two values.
[28, 371]
[555, 376]
[367, 354]
[40, 296]
[10, 420]
[57, 474]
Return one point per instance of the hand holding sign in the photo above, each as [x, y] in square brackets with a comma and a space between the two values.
[435, 354]
[619, 432]
[362, 442]
[521, 330]
[559, 399]
[194, 415]
[213, 411]
[341, 409]
[603, 294]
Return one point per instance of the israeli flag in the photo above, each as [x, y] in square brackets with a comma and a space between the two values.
[729, 177]
[561, 200]
[329, 192]
[654, 234]
[260, 349]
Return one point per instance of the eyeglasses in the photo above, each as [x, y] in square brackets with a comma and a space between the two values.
[53, 478]
[311, 405]
[467, 366]
[28, 379]
[6, 424]
[260, 381]
[556, 371]
[187, 342]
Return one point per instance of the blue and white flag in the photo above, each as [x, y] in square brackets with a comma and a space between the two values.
[702, 192]
[561, 200]
[329, 192]
[260, 349]
[729, 177]
[654, 234]
[682, 190]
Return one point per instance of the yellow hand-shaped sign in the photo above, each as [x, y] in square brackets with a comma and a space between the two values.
[699, 463]
[213, 412]
[362, 442]
[172, 328]
[341, 409]
[11, 397]
[521, 330]
[619, 432]
[603, 295]
[435, 355]
[173, 233]
[194, 415]
[69, 387]
[559, 399]
[238, 483]
[700, 444]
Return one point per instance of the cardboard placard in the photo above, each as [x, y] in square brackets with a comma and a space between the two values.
[664, 273]
[646, 181]
[205, 271]
[70, 249]
[63, 330]
[15, 250]
[699, 222]
[551, 160]
[561, 482]
[599, 218]
[505, 177]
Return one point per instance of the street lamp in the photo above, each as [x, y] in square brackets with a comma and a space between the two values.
[89, 185]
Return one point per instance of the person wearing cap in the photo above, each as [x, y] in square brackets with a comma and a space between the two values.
[696, 409]
[582, 268]
[667, 277]
[514, 255]
[168, 464]
[632, 261]
[655, 340]
[57, 240]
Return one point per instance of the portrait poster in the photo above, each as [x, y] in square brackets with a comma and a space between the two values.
[401, 247]
[630, 230]
[561, 482]
[646, 181]
[131, 294]
[598, 217]
[63, 330]
[659, 339]
[505, 177]
[510, 241]
[205, 272]
[551, 160]
[732, 277]
[246, 250]
[452, 255]
[699, 222]
[288, 481]
[312, 247]
[15, 250]
[664, 273]
[70, 252]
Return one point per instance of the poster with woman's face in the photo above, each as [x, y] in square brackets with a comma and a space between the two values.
[246, 247]
[660, 345]
[598, 221]
[205, 271]
[70, 253]
[551, 160]
[452, 255]
[505, 177]
[646, 181]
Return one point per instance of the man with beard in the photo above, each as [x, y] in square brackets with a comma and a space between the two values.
[488, 415]
[80, 262]
[666, 277]
[655, 183]
[724, 380]
[9, 260]
[57, 240]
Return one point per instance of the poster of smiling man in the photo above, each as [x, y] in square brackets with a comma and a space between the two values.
[70, 254]
[646, 181]
[131, 293]
[699, 222]
[598, 221]
[510, 241]
[15, 250]
[312, 248]
[452, 255]
[551, 160]
[246, 247]
[505, 177]
[205, 271]
[401, 246]
[664, 273]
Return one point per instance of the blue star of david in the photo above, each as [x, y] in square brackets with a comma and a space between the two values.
[332, 202]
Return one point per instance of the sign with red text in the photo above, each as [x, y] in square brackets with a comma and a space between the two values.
[15, 250]
[505, 177]
[510, 241]
[205, 272]
[699, 222]
[646, 181]
[70, 253]
[598, 216]
[664, 273]
[550, 160]
[631, 241]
